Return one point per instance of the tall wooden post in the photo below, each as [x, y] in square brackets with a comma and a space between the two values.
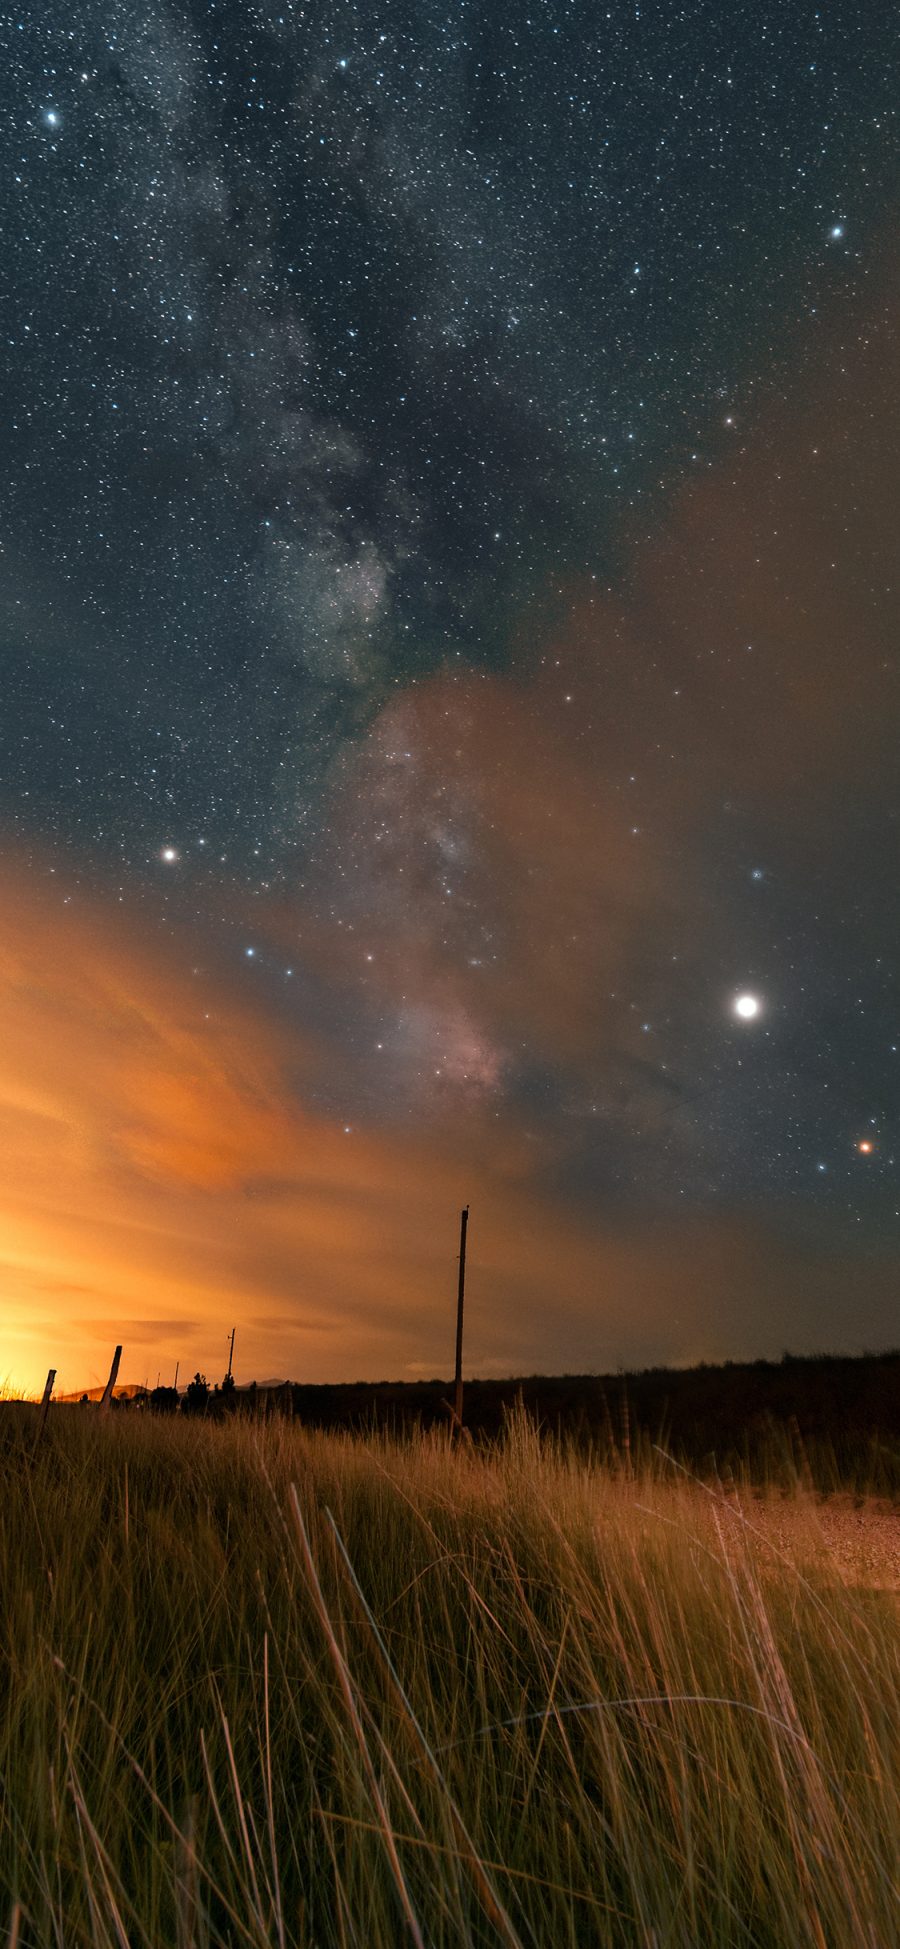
[107, 1391]
[458, 1401]
[230, 1355]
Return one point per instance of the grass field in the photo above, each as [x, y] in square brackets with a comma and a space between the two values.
[262, 1686]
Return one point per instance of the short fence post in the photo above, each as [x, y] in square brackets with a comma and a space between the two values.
[45, 1402]
[107, 1391]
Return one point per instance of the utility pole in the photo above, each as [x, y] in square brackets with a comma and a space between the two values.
[175, 1382]
[230, 1356]
[458, 1402]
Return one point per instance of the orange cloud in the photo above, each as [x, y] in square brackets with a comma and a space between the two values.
[162, 1166]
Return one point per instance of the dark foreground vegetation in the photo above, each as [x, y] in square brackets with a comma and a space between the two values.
[263, 1685]
[833, 1418]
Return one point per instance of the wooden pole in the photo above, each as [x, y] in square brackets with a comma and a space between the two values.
[175, 1382]
[107, 1391]
[230, 1356]
[458, 1400]
[45, 1401]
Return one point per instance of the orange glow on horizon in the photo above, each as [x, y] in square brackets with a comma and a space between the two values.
[165, 1177]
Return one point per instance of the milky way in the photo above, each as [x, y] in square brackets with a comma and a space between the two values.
[448, 575]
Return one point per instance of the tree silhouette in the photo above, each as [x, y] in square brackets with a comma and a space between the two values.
[196, 1396]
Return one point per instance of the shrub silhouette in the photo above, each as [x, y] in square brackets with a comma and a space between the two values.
[164, 1400]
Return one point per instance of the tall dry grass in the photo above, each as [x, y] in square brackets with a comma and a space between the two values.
[262, 1687]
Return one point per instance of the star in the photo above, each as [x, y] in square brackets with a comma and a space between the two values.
[169, 855]
[747, 1007]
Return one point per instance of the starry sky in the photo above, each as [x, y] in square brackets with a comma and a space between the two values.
[450, 657]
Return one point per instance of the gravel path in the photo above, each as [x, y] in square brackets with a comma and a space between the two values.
[857, 1543]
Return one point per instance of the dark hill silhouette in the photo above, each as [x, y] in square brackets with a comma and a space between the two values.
[834, 1416]
[839, 1414]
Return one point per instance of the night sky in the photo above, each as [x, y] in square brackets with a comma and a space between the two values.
[450, 656]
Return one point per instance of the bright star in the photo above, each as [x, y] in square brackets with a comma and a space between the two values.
[51, 118]
[169, 854]
[836, 232]
[746, 1007]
